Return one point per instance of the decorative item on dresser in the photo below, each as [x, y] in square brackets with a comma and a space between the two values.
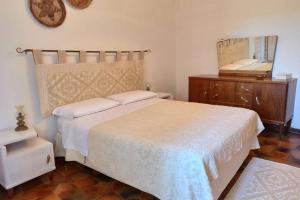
[272, 99]
[23, 156]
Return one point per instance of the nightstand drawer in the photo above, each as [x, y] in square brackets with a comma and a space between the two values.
[26, 160]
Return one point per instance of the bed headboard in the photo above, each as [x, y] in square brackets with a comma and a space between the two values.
[64, 83]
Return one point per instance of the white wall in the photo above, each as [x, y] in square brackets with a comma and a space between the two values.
[106, 24]
[200, 23]
[140, 24]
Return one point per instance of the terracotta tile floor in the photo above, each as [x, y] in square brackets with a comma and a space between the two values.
[74, 181]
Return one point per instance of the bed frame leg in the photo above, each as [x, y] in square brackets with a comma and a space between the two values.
[50, 176]
[10, 192]
[281, 131]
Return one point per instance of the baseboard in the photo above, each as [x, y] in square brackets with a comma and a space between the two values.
[294, 130]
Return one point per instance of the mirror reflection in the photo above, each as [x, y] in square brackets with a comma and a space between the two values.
[247, 54]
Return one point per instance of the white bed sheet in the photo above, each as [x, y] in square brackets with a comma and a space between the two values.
[75, 131]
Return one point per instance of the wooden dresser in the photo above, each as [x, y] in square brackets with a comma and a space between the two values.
[272, 99]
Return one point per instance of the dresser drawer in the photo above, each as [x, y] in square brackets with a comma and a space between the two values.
[222, 92]
[244, 100]
[244, 88]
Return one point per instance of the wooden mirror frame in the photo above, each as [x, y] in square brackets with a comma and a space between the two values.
[246, 73]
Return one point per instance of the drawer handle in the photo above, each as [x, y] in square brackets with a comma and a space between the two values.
[257, 100]
[244, 99]
[205, 93]
[216, 85]
[48, 159]
[244, 88]
[216, 95]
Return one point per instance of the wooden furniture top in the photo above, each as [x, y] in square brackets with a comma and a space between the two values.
[243, 79]
[11, 136]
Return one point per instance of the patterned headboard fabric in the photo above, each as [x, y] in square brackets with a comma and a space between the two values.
[61, 84]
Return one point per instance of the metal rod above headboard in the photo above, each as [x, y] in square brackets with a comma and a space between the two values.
[20, 50]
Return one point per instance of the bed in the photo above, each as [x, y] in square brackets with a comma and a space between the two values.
[173, 150]
[193, 155]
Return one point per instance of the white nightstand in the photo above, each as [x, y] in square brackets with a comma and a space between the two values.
[23, 156]
[164, 95]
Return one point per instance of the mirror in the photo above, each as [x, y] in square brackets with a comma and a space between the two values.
[253, 56]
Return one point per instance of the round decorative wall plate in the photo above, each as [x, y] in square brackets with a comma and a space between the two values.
[80, 4]
[51, 13]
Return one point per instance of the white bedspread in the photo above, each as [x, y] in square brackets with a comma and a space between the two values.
[75, 131]
[171, 149]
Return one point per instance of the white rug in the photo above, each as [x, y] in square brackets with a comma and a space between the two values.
[267, 180]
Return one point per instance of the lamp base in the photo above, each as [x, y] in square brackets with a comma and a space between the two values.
[21, 128]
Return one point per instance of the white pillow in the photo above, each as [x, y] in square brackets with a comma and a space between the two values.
[86, 107]
[246, 61]
[132, 96]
